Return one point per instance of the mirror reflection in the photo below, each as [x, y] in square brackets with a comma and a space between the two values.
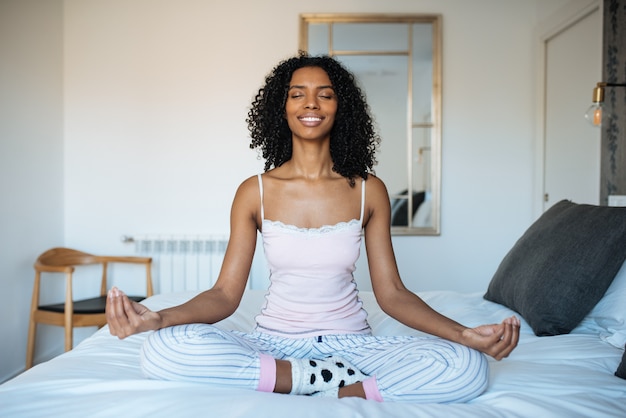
[396, 60]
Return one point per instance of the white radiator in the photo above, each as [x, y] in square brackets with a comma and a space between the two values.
[188, 262]
[182, 262]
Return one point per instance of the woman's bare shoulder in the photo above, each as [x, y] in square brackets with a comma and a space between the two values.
[375, 185]
[250, 182]
[248, 190]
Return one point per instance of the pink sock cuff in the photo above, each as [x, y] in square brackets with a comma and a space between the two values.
[267, 378]
[371, 389]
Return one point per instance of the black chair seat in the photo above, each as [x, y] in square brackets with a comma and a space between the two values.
[86, 306]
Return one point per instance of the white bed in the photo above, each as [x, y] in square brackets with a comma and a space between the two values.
[565, 277]
[561, 376]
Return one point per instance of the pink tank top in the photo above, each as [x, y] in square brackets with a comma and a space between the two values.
[312, 290]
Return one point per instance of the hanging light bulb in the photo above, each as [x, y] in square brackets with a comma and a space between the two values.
[594, 113]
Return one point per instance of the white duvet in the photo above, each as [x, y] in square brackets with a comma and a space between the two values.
[563, 376]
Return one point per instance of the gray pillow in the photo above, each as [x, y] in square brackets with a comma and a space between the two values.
[561, 266]
[621, 370]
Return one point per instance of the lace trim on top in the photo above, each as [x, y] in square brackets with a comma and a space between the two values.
[325, 229]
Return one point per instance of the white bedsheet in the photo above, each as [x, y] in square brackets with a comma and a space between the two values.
[563, 376]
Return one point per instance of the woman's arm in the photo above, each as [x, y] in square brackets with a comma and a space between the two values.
[126, 317]
[497, 340]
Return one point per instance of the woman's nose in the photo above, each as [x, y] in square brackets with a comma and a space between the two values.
[311, 103]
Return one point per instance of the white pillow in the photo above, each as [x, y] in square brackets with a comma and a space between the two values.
[608, 317]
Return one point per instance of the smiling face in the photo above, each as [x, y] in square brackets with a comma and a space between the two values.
[311, 104]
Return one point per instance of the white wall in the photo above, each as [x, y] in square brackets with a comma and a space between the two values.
[155, 97]
[31, 162]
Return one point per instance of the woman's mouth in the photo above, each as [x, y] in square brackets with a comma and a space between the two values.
[309, 120]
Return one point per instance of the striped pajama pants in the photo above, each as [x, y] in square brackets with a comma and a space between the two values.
[406, 368]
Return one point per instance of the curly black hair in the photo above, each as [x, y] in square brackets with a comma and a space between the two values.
[353, 138]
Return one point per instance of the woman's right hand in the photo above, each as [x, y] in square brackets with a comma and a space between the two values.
[127, 317]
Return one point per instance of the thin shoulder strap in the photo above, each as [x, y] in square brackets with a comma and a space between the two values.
[362, 200]
[261, 192]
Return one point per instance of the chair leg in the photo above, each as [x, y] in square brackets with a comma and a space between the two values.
[68, 338]
[30, 346]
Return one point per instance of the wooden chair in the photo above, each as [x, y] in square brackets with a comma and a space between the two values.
[74, 313]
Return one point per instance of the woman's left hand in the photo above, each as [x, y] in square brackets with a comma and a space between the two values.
[496, 340]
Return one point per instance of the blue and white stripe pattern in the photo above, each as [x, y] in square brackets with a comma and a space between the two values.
[407, 368]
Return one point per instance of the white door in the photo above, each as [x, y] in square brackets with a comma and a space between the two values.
[573, 58]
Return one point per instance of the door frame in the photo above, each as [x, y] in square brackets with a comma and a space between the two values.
[568, 15]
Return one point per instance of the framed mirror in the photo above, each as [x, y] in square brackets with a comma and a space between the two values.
[397, 62]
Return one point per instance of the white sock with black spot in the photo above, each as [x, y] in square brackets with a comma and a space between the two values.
[309, 376]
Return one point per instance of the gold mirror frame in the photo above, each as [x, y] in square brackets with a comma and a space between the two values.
[430, 129]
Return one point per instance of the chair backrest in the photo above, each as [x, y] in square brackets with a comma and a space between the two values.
[63, 260]
[63, 257]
